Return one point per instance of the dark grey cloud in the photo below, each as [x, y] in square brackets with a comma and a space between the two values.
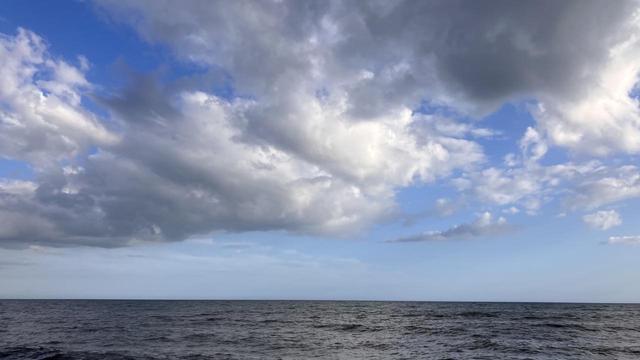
[570, 56]
[481, 52]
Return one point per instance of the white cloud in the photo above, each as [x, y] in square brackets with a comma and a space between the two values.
[446, 207]
[605, 117]
[532, 145]
[527, 184]
[606, 185]
[624, 240]
[603, 220]
[41, 116]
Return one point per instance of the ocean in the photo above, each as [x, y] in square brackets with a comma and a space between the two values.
[105, 329]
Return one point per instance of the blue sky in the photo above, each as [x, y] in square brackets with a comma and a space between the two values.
[284, 151]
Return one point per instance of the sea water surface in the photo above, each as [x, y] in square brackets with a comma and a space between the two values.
[89, 329]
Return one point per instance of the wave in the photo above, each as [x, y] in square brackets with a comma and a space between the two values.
[42, 353]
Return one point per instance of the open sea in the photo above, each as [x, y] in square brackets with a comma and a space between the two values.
[89, 329]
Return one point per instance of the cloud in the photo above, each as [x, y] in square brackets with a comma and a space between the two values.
[529, 185]
[443, 207]
[606, 185]
[484, 225]
[605, 119]
[603, 220]
[624, 240]
[577, 59]
[185, 162]
[446, 207]
[41, 116]
[325, 132]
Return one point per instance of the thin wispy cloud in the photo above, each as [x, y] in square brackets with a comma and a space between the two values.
[484, 225]
[603, 220]
[624, 240]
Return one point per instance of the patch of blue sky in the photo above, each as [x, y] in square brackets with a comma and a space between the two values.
[429, 107]
[70, 39]
[510, 122]
[16, 170]
[120, 49]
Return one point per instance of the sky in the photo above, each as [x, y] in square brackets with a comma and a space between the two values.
[382, 150]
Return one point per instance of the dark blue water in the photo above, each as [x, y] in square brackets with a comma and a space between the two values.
[315, 330]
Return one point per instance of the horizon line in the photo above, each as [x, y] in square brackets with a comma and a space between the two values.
[330, 300]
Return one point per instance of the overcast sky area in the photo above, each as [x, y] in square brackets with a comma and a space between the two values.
[399, 150]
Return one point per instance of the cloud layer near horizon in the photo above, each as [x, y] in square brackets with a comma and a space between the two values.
[325, 132]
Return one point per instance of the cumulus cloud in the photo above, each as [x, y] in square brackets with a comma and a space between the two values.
[624, 240]
[578, 59]
[326, 129]
[484, 225]
[187, 162]
[606, 117]
[41, 117]
[603, 220]
[579, 65]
